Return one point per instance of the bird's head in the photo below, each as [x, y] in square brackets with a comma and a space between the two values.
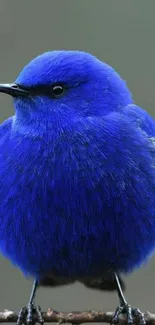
[66, 84]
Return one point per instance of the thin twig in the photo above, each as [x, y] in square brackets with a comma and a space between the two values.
[8, 316]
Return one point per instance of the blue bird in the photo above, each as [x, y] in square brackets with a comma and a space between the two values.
[77, 176]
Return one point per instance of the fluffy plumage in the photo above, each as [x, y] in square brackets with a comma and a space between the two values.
[77, 173]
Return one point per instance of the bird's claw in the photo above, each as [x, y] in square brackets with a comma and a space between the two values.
[130, 312]
[26, 315]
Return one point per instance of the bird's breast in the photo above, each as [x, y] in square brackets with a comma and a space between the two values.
[72, 202]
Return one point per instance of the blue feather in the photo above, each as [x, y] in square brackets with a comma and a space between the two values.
[77, 173]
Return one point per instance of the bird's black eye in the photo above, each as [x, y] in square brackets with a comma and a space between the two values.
[58, 90]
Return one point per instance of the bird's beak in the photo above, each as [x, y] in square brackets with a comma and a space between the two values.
[14, 90]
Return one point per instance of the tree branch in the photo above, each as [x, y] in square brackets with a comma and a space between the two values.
[8, 316]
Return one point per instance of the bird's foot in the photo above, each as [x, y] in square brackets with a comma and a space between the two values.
[30, 315]
[130, 313]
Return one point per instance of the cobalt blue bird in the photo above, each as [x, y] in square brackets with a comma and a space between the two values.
[77, 176]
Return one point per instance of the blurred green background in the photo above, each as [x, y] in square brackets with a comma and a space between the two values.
[121, 33]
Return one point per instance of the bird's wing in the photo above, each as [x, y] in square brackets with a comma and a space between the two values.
[5, 126]
[141, 119]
